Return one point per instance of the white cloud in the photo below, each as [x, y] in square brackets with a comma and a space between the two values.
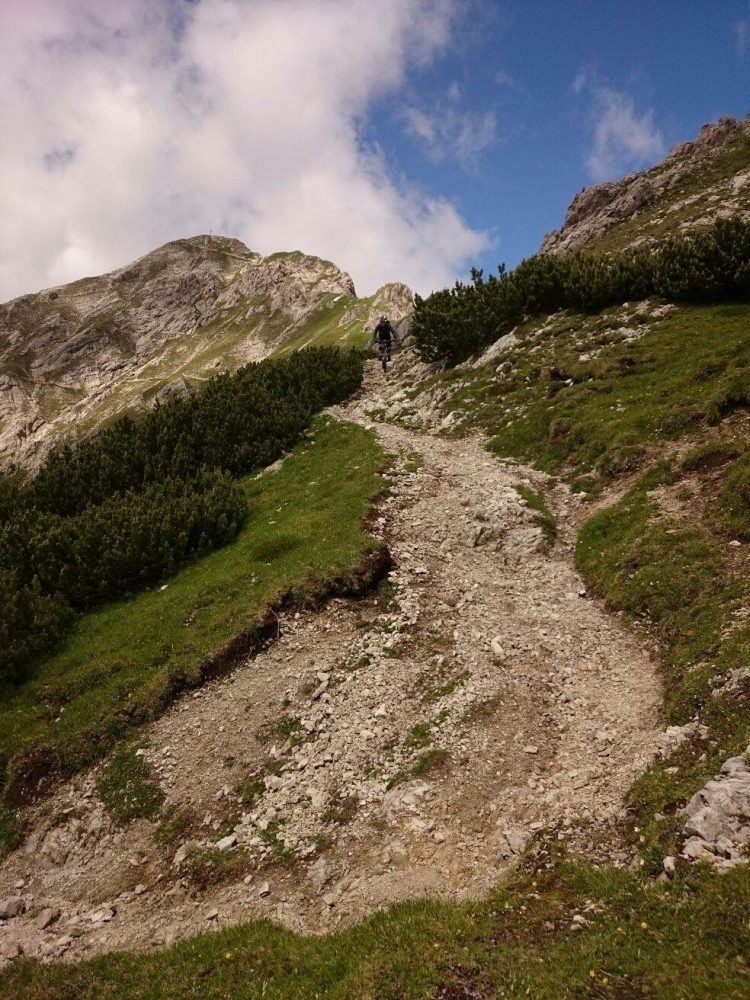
[580, 81]
[449, 132]
[126, 125]
[504, 79]
[742, 39]
[623, 139]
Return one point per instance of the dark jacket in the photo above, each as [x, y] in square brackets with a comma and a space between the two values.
[383, 331]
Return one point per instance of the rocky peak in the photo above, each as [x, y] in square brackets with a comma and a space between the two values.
[75, 356]
[715, 155]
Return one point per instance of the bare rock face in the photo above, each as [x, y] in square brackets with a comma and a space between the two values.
[595, 210]
[717, 822]
[78, 355]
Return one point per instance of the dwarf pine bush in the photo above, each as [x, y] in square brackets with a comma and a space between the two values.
[712, 265]
[131, 505]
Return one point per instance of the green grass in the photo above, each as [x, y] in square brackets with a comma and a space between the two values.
[639, 940]
[435, 694]
[251, 791]
[126, 788]
[418, 736]
[124, 663]
[287, 728]
[688, 369]
[325, 328]
[173, 823]
[272, 837]
[206, 866]
[734, 501]
[544, 516]
[674, 578]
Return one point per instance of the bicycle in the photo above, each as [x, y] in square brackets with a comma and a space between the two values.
[384, 353]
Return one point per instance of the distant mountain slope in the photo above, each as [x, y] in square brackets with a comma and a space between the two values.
[74, 357]
[697, 183]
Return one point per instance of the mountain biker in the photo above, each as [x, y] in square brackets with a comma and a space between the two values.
[383, 335]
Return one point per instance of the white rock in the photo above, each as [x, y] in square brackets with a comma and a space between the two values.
[227, 843]
[497, 647]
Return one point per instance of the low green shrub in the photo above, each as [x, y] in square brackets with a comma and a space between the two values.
[130, 506]
[709, 266]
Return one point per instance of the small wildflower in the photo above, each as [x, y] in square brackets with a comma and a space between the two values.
[644, 924]
[592, 973]
[605, 980]
[228, 954]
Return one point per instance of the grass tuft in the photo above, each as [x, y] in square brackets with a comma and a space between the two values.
[544, 516]
[127, 789]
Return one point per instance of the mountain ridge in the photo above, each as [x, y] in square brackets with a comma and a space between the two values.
[73, 357]
[660, 197]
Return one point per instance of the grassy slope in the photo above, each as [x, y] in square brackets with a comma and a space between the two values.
[324, 328]
[686, 369]
[674, 575]
[192, 355]
[123, 662]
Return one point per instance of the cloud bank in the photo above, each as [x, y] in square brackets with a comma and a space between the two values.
[623, 139]
[127, 125]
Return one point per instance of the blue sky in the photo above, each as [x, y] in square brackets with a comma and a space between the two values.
[406, 140]
[681, 63]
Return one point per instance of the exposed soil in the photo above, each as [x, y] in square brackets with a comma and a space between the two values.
[405, 744]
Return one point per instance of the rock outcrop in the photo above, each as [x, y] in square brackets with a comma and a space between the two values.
[665, 189]
[74, 357]
[718, 817]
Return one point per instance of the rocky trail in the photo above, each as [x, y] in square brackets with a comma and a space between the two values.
[402, 745]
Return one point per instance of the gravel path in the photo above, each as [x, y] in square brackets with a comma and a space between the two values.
[407, 745]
